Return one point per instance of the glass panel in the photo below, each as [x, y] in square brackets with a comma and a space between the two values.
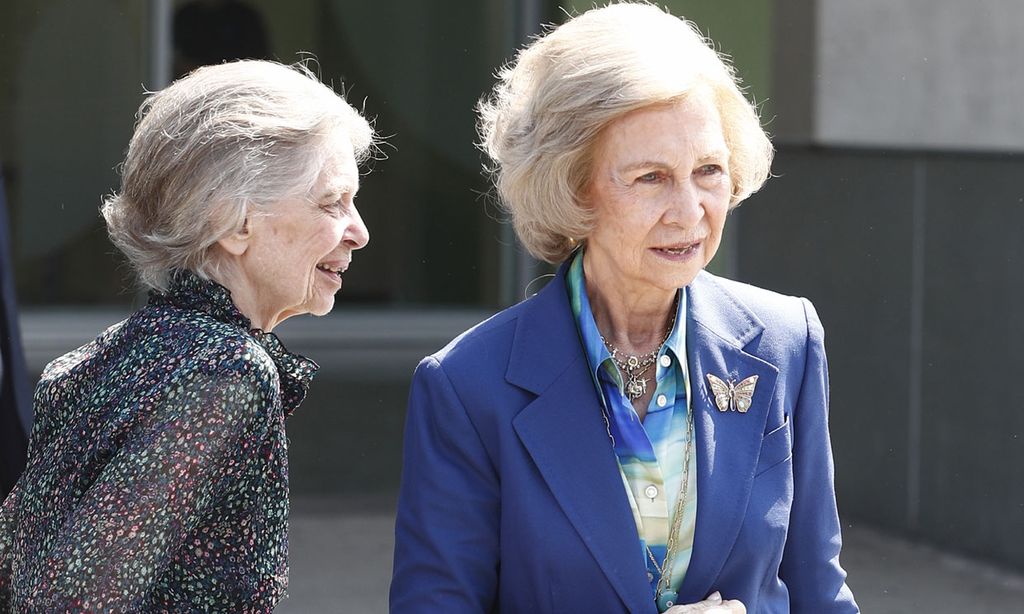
[70, 80]
[71, 76]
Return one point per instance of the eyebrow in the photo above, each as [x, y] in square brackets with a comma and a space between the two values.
[335, 190]
[717, 154]
[642, 164]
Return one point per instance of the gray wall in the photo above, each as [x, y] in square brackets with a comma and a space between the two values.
[914, 262]
[897, 209]
[932, 74]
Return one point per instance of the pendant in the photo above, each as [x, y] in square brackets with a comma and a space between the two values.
[635, 387]
[666, 600]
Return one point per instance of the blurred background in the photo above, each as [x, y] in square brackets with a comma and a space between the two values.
[896, 207]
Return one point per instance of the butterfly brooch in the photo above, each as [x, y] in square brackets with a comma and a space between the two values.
[732, 396]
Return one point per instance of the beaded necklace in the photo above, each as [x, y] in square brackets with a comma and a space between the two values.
[634, 367]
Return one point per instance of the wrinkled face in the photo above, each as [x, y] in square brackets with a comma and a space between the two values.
[298, 250]
[660, 191]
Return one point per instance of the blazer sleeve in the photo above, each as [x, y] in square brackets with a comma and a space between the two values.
[446, 530]
[810, 562]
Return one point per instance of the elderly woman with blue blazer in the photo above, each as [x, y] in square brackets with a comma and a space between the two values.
[640, 435]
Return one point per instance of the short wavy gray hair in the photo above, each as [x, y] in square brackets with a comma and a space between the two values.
[215, 146]
[544, 114]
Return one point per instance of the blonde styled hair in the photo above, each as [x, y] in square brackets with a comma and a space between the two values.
[541, 120]
[222, 143]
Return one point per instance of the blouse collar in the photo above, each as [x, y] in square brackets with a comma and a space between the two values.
[189, 291]
[597, 353]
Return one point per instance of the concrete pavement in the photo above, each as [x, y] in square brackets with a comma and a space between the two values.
[341, 564]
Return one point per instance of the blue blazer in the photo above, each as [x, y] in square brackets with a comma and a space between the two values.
[511, 497]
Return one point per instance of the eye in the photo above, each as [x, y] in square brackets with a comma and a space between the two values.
[709, 170]
[339, 205]
[651, 177]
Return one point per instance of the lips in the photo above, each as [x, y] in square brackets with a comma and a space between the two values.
[333, 268]
[679, 249]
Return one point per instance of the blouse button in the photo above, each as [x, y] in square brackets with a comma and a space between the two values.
[651, 491]
[665, 360]
[662, 401]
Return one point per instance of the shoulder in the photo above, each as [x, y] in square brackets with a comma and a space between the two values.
[191, 335]
[783, 318]
[485, 344]
[173, 352]
[223, 360]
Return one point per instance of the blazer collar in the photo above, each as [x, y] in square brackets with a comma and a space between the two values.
[720, 334]
[716, 309]
[564, 433]
[546, 341]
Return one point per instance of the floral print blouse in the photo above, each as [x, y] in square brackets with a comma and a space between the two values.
[157, 476]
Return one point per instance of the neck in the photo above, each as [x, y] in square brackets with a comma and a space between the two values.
[635, 322]
[245, 298]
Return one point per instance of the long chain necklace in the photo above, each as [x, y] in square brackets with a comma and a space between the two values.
[664, 596]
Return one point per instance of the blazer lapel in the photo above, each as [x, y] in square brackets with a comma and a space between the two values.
[728, 443]
[565, 435]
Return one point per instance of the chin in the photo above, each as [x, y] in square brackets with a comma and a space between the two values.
[323, 308]
[676, 279]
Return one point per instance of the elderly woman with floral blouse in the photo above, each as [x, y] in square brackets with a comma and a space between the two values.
[157, 476]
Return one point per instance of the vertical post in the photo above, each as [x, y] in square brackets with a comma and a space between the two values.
[916, 344]
[158, 73]
[517, 267]
[160, 23]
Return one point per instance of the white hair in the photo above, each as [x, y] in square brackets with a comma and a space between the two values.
[541, 120]
[222, 143]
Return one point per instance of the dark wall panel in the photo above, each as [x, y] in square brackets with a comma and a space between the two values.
[346, 438]
[835, 228]
[928, 429]
[972, 397]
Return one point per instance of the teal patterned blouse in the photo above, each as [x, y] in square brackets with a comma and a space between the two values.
[650, 452]
[157, 476]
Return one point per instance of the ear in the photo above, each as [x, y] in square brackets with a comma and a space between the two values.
[237, 242]
[583, 199]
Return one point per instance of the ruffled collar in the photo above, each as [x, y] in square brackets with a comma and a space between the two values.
[189, 291]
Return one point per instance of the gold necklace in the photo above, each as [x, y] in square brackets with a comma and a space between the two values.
[664, 596]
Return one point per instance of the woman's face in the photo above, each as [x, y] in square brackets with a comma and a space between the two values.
[660, 191]
[297, 251]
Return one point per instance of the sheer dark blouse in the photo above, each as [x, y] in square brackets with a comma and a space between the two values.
[157, 476]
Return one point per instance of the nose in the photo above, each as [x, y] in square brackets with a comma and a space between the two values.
[356, 235]
[685, 208]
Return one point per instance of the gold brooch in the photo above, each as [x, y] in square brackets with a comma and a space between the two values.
[730, 395]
